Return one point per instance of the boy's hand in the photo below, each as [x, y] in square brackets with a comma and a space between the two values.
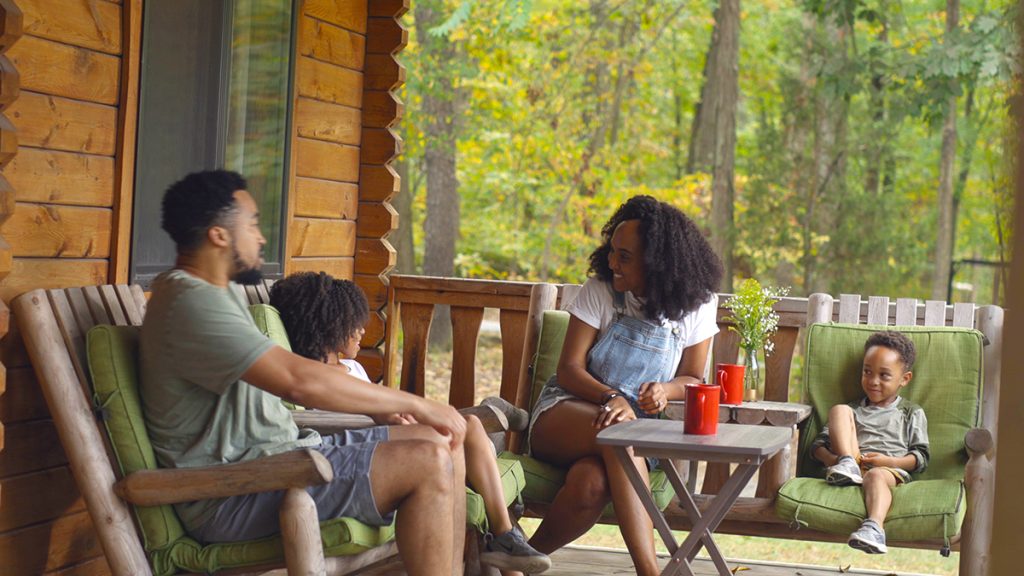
[874, 460]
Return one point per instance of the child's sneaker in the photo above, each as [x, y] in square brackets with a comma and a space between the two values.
[844, 472]
[870, 538]
[510, 551]
[518, 418]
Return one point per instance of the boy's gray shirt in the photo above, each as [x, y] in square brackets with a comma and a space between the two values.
[896, 430]
[197, 340]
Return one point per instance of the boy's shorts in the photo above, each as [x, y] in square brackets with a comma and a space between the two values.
[350, 453]
[901, 475]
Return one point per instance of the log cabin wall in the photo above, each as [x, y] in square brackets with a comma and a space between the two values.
[67, 194]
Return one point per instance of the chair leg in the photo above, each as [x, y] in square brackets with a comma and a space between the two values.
[474, 546]
[300, 533]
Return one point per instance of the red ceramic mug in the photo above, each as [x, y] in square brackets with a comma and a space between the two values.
[730, 378]
[701, 409]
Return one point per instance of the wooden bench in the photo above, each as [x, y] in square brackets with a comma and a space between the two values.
[411, 302]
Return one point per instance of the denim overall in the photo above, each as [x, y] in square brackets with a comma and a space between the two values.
[631, 352]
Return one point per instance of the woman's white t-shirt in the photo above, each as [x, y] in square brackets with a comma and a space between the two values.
[594, 305]
[354, 368]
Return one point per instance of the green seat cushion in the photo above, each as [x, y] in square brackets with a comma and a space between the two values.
[947, 384]
[112, 353]
[924, 509]
[513, 479]
[544, 480]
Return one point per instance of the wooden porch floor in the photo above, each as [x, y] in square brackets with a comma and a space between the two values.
[584, 560]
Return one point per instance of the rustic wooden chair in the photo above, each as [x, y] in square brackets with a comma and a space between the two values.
[123, 489]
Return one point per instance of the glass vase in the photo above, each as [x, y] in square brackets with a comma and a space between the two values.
[751, 375]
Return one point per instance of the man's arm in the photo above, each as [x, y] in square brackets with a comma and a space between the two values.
[316, 385]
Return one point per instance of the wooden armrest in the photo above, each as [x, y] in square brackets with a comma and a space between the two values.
[493, 420]
[293, 469]
[330, 422]
[760, 412]
[979, 443]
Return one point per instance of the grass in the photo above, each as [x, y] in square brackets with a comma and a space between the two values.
[898, 560]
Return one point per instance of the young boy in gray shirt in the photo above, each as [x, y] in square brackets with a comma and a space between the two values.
[877, 441]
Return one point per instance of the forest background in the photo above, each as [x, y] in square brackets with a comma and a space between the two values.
[855, 146]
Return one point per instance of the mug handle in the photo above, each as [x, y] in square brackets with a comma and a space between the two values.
[723, 378]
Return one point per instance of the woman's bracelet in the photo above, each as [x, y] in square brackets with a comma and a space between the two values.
[609, 396]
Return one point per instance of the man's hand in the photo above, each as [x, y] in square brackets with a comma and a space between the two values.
[652, 398]
[443, 418]
[612, 412]
[393, 419]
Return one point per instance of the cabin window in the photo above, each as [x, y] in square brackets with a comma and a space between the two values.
[214, 92]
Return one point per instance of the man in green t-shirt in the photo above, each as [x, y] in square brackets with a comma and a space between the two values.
[212, 386]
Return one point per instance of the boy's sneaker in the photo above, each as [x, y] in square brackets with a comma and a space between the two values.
[870, 538]
[518, 418]
[845, 472]
[510, 551]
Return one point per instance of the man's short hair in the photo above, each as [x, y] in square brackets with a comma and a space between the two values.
[897, 342]
[198, 201]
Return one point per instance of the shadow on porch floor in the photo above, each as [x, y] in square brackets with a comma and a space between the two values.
[585, 560]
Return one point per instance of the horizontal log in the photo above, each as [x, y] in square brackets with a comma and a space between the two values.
[325, 160]
[374, 256]
[380, 146]
[8, 140]
[51, 177]
[393, 8]
[31, 273]
[11, 24]
[373, 286]
[380, 109]
[10, 82]
[348, 14]
[385, 35]
[64, 542]
[330, 422]
[22, 401]
[64, 70]
[93, 567]
[383, 72]
[293, 469]
[328, 82]
[326, 198]
[46, 121]
[321, 237]
[31, 446]
[376, 220]
[93, 25]
[38, 497]
[377, 183]
[329, 122]
[49, 231]
[374, 335]
[337, 267]
[372, 360]
[329, 43]
[12, 350]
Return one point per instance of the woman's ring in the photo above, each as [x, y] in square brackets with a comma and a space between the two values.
[606, 408]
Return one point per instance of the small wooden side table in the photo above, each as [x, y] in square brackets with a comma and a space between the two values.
[776, 470]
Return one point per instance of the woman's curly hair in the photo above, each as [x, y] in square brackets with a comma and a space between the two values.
[681, 271]
[319, 312]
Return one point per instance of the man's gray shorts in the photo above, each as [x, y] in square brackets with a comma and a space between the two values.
[256, 515]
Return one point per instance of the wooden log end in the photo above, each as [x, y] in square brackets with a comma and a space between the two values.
[979, 442]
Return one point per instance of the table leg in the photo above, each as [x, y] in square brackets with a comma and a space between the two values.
[705, 524]
[646, 498]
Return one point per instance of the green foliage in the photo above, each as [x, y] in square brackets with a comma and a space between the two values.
[752, 315]
[570, 108]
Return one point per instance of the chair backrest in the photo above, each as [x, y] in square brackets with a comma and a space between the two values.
[956, 375]
[54, 324]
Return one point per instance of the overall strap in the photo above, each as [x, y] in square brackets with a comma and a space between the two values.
[619, 303]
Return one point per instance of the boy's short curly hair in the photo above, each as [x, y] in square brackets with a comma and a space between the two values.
[897, 342]
[198, 201]
[319, 312]
[681, 270]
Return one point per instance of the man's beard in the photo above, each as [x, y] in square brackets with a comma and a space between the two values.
[247, 275]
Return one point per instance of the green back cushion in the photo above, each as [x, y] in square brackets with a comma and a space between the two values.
[112, 353]
[268, 320]
[554, 324]
[947, 384]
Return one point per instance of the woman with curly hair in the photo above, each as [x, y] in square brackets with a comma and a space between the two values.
[640, 330]
[324, 318]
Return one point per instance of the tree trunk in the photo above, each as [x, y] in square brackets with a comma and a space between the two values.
[440, 134]
[402, 239]
[947, 158]
[713, 140]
